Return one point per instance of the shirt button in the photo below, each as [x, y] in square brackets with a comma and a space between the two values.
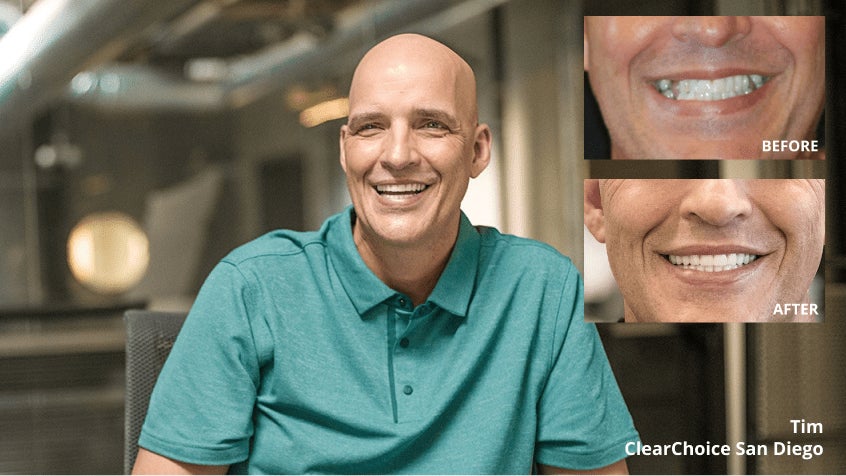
[404, 342]
[407, 390]
[402, 302]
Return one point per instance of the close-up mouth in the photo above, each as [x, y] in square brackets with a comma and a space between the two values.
[710, 89]
[711, 263]
[400, 189]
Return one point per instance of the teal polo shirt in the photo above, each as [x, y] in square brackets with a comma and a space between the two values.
[296, 358]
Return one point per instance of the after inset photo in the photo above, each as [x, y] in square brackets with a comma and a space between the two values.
[709, 250]
[699, 87]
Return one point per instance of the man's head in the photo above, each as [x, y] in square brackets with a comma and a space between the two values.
[412, 140]
[708, 250]
[706, 87]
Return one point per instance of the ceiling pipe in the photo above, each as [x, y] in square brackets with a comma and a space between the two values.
[260, 74]
[244, 80]
[66, 55]
[140, 88]
[240, 82]
[56, 39]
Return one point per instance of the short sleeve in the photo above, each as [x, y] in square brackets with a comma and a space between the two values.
[583, 422]
[202, 406]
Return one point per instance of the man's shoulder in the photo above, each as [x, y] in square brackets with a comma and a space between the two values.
[526, 250]
[274, 245]
[285, 244]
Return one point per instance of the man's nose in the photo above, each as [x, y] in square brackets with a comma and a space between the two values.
[711, 31]
[399, 152]
[718, 202]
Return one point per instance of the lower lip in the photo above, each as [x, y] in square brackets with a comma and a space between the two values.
[720, 279]
[710, 108]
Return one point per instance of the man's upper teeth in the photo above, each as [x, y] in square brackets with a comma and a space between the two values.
[710, 90]
[712, 263]
[401, 188]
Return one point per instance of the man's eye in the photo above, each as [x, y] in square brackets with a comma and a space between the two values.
[366, 128]
[434, 125]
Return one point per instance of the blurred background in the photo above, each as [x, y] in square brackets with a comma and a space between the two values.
[141, 140]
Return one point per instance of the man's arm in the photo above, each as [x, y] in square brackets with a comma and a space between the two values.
[619, 467]
[148, 462]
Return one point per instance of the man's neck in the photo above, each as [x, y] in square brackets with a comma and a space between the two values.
[411, 269]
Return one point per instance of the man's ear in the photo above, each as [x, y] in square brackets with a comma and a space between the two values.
[481, 150]
[587, 46]
[341, 138]
[594, 214]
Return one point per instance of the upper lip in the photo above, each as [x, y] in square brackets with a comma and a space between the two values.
[709, 74]
[690, 250]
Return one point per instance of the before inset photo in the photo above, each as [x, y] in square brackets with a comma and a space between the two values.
[699, 87]
[708, 250]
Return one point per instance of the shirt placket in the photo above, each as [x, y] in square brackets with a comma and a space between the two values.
[408, 390]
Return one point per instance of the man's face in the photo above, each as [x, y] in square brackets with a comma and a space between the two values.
[706, 87]
[411, 145]
[708, 250]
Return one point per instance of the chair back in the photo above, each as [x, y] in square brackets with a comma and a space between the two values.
[149, 338]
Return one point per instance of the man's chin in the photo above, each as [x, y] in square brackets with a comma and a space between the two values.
[692, 148]
[700, 313]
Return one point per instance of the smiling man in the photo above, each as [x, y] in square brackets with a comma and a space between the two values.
[711, 250]
[398, 338]
[708, 87]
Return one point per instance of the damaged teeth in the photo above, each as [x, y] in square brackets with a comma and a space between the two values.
[712, 263]
[401, 188]
[710, 90]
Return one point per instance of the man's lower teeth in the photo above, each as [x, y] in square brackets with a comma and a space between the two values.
[710, 90]
[711, 269]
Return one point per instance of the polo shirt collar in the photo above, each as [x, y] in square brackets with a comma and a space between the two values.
[458, 280]
[366, 291]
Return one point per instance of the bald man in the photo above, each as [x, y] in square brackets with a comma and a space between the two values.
[398, 338]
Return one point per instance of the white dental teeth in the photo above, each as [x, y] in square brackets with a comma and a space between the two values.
[712, 263]
[710, 90]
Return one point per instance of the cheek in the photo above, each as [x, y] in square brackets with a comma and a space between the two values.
[609, 59]
[359, 157]
[803, 230]
[640, 206]
[626, 230]
[801, 220]
[618, 40]
[448, 158]
[804, 37]
[809, 55]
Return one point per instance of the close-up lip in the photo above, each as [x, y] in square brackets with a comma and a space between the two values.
[713, 249]
[710, 74]
[698, 108]
[717, 276]
[704, 280]
[401, 195]
[388, 183]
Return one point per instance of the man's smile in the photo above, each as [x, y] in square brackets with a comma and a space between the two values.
[711, 263]
[710, 90]
[400, 188]
[404, 194]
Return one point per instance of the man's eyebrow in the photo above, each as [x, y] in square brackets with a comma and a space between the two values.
[364, 117]
[427, 113]
[437, 114]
